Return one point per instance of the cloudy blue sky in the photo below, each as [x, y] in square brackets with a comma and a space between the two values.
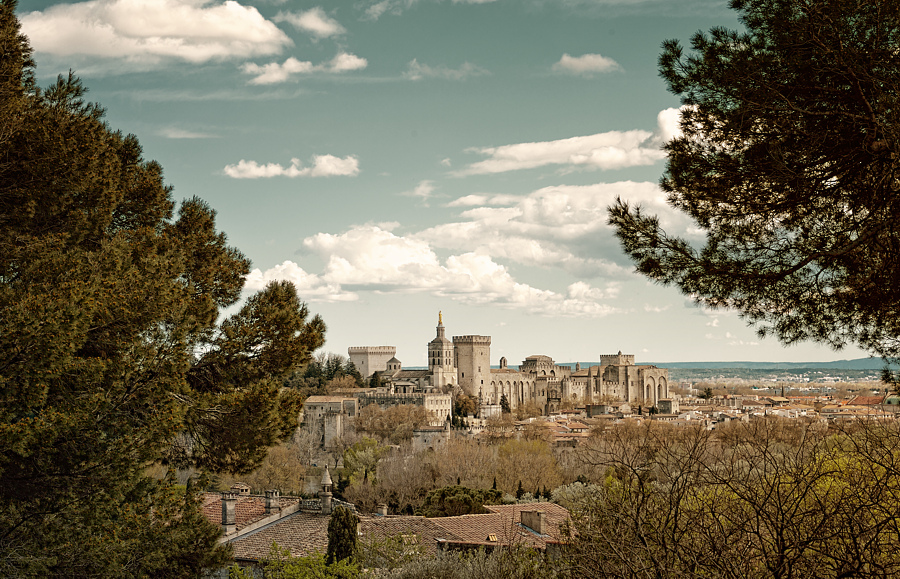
[396, 158]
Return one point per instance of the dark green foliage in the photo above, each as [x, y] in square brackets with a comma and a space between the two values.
[341, 535]
[322, 369]
[458, 500]
[111, 355]
[464, 405]
[520, 491]
[790, 164]
[504, 404]
[281, 565]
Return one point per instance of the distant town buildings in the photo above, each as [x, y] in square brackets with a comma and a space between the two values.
[465, 363]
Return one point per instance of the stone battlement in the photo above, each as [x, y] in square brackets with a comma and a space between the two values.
[372, 350]
[619, 359]
[472, 340]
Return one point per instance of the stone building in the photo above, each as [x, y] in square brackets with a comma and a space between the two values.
[371, 359]
[464, 364]
[329, 417]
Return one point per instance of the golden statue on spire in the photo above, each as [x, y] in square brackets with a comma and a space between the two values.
[440, 318]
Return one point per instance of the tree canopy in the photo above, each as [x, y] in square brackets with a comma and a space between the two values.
[458, 500]
[112, 355]
[789, 163]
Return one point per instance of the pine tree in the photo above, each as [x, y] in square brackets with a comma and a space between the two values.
[111, 354]
[789, 165]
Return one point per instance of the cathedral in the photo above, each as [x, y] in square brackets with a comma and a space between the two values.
[464, 364]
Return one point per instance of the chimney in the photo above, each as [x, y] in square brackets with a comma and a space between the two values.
[273, 502]
[534, 520]
[229, 501]
[325, 493]
[382, 510]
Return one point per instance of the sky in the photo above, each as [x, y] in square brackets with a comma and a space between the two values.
[400, 158]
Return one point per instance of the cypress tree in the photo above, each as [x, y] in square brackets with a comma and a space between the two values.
[342, 535]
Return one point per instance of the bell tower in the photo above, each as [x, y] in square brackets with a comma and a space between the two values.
[440, 357]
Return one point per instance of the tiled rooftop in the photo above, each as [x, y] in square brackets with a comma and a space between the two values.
[302, 533]
[247, 509]
[305, 533]
[426, 531]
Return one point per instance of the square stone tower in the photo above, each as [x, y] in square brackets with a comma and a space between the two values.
[473, 362]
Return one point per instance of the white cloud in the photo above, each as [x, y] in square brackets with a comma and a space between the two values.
[274, 73]
[344, 62]
[417, 71]
[655, 309]
[732, 340]
[313, 21]
[668, 122]
[375, 11]
[610, 150]
[396, 7]
[310, 286]
[370, 258]
[178, 133]
[586, 64]
[424, 191]
[323, 166]
[477, 199]
[554, 227]
[151, 32]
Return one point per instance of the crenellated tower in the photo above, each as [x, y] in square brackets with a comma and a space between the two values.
[473, 363]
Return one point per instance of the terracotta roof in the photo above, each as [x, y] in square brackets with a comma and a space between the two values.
[504, 524]
[302, 533]
[305, 533]
[866, 400]
[247, 509]
[426, 531]
[555, 515]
